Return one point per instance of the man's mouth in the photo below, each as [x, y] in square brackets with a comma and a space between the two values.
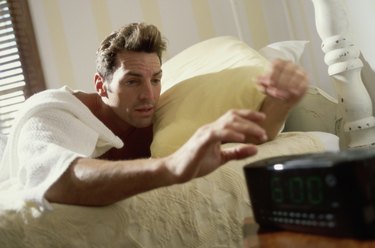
[145, 110]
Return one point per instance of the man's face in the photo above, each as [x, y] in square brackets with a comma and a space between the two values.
[135, 87]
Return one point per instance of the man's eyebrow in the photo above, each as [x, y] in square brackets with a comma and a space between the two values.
[158, 73]
[135, 74]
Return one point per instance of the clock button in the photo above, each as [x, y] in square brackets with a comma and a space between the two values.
[335, 204]
[331, 224]
[329, 216]
[322, 223]
[330, 180]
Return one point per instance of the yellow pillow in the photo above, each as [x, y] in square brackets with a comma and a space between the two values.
[202, 83]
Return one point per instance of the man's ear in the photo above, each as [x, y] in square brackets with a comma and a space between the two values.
[100, 85]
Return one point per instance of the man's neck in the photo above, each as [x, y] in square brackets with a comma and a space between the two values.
[105, 114]
[137, 140]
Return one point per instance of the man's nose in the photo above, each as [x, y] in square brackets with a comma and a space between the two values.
[147, 91]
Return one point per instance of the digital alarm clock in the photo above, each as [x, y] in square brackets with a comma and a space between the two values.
[330, 193]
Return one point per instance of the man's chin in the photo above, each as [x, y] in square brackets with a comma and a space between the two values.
[142, 124]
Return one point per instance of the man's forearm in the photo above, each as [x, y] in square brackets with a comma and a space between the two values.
[276, 112]
[94, 182]
[284, 87]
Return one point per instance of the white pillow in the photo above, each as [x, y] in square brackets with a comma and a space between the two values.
[208, 56]
[287, 50]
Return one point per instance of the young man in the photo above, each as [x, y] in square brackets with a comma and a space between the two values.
[91, 149]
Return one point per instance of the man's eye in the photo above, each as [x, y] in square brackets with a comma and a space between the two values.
[156, 81]
[131, 82]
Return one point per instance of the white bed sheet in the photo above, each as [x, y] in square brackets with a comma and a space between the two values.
[206, 212]
[329, 141]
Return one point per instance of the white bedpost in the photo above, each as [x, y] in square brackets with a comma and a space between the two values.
[342, 57]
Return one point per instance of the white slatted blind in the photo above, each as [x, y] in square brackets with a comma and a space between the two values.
[11, 74]
[16, 33]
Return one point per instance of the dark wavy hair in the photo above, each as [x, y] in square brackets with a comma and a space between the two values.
[136, 37]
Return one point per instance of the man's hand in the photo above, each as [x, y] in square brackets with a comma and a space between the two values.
[287, 82]
[284, 86]
[202, 153]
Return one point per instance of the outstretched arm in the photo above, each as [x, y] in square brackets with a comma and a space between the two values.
[284, 86]
[100, 182]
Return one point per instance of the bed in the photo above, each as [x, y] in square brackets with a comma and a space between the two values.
[209, 212]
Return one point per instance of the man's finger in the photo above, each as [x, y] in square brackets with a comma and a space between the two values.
[238, 152]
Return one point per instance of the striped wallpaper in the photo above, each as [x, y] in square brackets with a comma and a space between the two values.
[69, 31]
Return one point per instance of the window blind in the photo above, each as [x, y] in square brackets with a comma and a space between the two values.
[20, 69]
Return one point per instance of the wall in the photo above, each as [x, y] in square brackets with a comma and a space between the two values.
[69, 31]
[362, 16]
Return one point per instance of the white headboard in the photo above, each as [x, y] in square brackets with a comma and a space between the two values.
[342, 57]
